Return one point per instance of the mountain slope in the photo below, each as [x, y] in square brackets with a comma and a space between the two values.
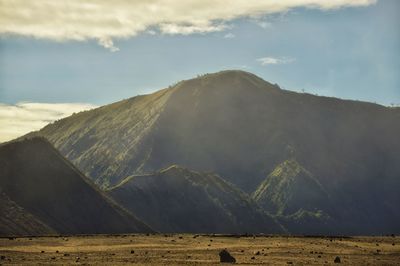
[290, 188]
[15, 221]
[241, 127]
[107, 143]
[178, 200]
[303, 205]
[298, 200]
[39, 180]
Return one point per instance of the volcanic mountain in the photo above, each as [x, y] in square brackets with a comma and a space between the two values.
[42, 193]
[251, 133]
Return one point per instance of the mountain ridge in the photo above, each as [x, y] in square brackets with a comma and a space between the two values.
[177, 200]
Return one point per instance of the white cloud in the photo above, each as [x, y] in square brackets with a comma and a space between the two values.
[17, 120]
[108, 43]
[229, 35]
[105, 20]
[264, 24]
[275, 60]
[171, 28]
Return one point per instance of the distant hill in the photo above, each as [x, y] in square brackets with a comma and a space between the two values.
[178, 200]
[42, 193]
[243, 128]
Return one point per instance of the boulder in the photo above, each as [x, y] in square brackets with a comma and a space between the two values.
[225, 256]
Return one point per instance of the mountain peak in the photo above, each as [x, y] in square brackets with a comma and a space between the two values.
[228, 80]
[231, 73]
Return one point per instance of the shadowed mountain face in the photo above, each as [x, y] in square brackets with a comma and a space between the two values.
[178, 200]
[14, 220]
[243, 128]
[36, 181]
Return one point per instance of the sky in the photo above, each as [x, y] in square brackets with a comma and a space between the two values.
[60, 57]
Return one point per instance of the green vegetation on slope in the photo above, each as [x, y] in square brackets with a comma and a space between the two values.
[290, 188]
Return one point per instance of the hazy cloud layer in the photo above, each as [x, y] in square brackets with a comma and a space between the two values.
[264, 61]
[106, 20]
[17, 120]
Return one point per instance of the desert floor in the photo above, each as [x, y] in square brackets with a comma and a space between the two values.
[199, 249]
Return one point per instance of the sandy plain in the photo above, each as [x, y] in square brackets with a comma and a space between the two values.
[186, 249]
